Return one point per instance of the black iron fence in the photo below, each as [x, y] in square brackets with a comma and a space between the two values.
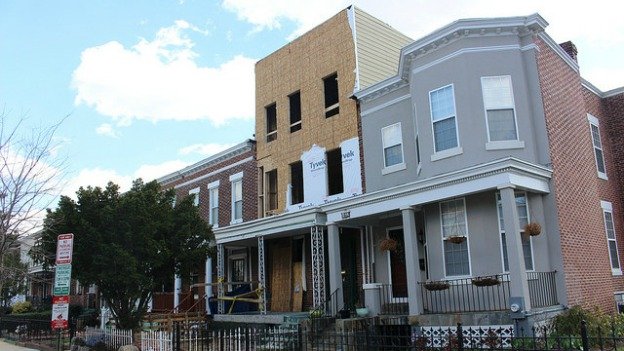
[542, 288]
[33, 332]
[393, 300]
[380, 337]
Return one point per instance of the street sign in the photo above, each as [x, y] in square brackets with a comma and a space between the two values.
[62, 279]
[64, 247]
[60, 312]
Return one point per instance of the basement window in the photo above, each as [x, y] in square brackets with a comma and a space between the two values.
[334, 172]
[330, 84]
[295, 111]
[296, 181]
[271, 122]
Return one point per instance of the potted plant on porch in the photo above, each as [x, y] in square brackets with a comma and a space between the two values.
[533, 229]
[436, 285]
[388, 244]
[485, 281]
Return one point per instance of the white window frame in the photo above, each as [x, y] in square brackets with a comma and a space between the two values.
[515, 143]
[396, 167]
[195, 193]
[438, 155]
[235, 179]
[213, 202]
[443, 239]
[593, 121]
[501, 231]
[607, 207]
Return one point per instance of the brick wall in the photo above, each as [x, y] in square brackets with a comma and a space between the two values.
[575, 184]
[302, 65]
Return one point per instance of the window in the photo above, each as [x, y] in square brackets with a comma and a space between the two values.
[237, 197]
[271, 179]
[296, 181]
[392, 145]
[523, 218]
[261, 191]
[454, 224]
[595, 134]
[213, 193]
[295, 111]
[499, 108]
[334, 172]
[330, 84]
[195, 194]
[237, 268]
[271, 122]
[443, 118]
[607, 211]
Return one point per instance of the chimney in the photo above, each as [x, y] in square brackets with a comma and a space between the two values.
[570, 48]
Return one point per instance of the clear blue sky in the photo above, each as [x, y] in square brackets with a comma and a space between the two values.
[152, 86]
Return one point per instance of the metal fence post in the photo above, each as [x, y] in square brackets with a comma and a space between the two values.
[460, 337]
[584, 339]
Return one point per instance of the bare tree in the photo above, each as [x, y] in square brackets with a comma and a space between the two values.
[30, 179]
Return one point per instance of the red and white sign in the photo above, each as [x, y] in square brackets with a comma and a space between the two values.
[64, 248]
[60, 312]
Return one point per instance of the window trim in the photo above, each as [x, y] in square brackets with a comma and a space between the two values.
[608, 207]
[235, 179]
[195, 193]
[443, 239]
[396, 167]
[293, 126]
[213, 187]
[593, 121]
[501, 231]
[501, 144]
[334, 109]
[437, 155]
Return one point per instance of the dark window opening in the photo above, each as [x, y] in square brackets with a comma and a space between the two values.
[295, 111]
[331, 95]
[261, 191]
[271, 178]
[271, 122]
[296, 182]
[334, 172]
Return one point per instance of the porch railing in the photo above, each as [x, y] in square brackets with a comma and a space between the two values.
[393, 300]
[488, 293]
[463, 295]
[542, 288]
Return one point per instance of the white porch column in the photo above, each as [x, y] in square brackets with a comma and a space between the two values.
[335, 266]
[519, 287]
[177, 289]
[208, 282]
[411, 260]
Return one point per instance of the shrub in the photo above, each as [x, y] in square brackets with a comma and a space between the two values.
[22, 307]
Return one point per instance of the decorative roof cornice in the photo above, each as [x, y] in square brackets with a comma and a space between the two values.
[464, 28]
[600, 93]
[234, 151]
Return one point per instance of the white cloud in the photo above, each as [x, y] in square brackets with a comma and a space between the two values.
[588, 25]
[106, 129]
[160, 80]
[204, 149]
[100, 176]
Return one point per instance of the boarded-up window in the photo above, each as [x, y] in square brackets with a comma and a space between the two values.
[271, 187]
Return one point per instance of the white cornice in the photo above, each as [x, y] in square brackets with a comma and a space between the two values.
[520, 26]
[598, 92]
[235, 150]
[559, 50]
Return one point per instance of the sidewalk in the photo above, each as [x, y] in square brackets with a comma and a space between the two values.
[5, 346]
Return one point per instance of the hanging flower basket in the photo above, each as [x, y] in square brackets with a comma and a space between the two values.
[485, 281]
[533, 229]
[388, 245]
[436, 286]
[456, 239]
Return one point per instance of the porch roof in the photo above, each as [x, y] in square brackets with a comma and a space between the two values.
[282, 223]
[504, 172]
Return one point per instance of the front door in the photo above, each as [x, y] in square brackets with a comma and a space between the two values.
[398, 274]
[348, 261]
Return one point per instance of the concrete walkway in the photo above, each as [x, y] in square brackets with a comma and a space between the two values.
[5, 346]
